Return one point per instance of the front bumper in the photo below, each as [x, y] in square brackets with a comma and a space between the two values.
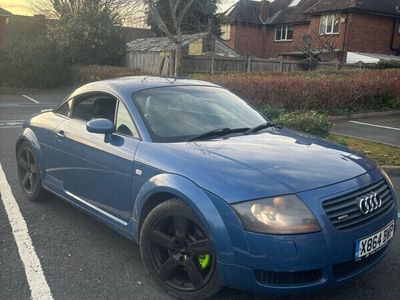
[283, 264]
[245, 278]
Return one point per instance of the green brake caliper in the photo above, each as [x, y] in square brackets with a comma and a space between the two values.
[204, 261]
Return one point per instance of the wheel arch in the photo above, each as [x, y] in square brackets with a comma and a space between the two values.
[151, 202]
[30, 137]
[19, 142]
[166, 186]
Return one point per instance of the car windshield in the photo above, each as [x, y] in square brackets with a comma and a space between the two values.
[180, 113]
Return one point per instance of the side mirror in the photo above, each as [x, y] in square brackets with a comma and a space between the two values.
[102, 126]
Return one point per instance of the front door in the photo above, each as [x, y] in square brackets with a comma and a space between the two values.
[94, 172]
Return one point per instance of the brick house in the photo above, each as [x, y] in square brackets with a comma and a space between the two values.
[287, 27]
[4, 15]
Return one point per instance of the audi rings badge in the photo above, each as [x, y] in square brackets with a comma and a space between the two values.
[369, 203]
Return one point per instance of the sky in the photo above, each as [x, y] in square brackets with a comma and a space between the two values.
[21, 7]
[18, 7]
[225, 4]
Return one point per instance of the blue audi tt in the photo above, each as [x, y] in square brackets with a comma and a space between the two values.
[215, 194]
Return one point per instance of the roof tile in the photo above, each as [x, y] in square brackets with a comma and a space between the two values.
[391, 7]
[4, 13]
[280, 12]
[161, 44]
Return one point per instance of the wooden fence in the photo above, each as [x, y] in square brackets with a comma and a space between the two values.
[219, 64]
[157, 63]
[150, 62]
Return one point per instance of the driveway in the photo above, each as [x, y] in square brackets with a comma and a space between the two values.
[379, 129]
[83, 259]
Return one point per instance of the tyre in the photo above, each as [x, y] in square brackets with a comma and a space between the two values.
[29, 173]
[178, 252]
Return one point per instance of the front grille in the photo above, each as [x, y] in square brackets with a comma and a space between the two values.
[350, 267]
[288, 277]
[344, 213]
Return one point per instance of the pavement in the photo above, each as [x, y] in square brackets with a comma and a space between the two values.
[83, 259]
[379, 129]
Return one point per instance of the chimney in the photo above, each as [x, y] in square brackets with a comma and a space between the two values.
[264, 8]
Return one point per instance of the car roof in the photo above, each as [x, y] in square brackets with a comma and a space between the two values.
[126, 86]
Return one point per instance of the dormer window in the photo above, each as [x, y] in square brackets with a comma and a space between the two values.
[225, 32]
[283, 33]
[329, 24]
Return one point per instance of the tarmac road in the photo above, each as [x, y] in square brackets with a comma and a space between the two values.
[83, 259]
[379, 129]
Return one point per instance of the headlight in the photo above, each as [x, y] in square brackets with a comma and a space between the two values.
[277, 215]
[386, 177]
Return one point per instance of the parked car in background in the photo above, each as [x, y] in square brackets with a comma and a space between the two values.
[214, 193]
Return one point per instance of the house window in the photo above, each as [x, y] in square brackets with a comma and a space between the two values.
[226, 32]
[294, 3]
[283, 33]
[329, 24]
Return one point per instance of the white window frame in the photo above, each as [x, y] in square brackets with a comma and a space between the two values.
[325, 19]
[225, 32]
[283, 37]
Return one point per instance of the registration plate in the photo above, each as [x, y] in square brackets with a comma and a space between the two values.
[373, 243]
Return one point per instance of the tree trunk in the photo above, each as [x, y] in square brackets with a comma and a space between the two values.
[178, 59]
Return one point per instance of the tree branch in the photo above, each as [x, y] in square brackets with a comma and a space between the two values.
[155, 15]
[184, 11]
[173, 9]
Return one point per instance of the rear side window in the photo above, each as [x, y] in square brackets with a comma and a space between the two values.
[66, 109]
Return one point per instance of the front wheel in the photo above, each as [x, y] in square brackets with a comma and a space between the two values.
[29, 173]
[178, 253]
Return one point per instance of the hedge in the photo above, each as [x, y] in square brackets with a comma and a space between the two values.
[330, 92]
[301, 101]
[86, 74]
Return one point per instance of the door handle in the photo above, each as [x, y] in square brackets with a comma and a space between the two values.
[60, 134]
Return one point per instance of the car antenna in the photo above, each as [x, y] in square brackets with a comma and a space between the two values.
[145, 78]
[170, 80]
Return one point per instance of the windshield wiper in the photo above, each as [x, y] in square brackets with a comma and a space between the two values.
[260, 127]
[218, 133]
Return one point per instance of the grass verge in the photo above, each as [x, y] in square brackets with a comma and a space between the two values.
[382, 154]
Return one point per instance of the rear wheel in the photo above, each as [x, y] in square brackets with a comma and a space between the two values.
[178, 252]
[29, 173]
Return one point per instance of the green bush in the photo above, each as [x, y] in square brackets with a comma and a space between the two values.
[28, 58]
[310, 122]
[87, 32]
[40, 53]
[271, 113]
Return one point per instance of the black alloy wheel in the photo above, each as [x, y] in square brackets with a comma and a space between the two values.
[28, 170]
[178, 252]
[29, 173]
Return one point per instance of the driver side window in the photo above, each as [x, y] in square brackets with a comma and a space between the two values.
[91, 107]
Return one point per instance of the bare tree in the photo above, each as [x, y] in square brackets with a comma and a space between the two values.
[314, 46]
[52, 8]
[130, 11]
[178, 10]
[43, 7]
